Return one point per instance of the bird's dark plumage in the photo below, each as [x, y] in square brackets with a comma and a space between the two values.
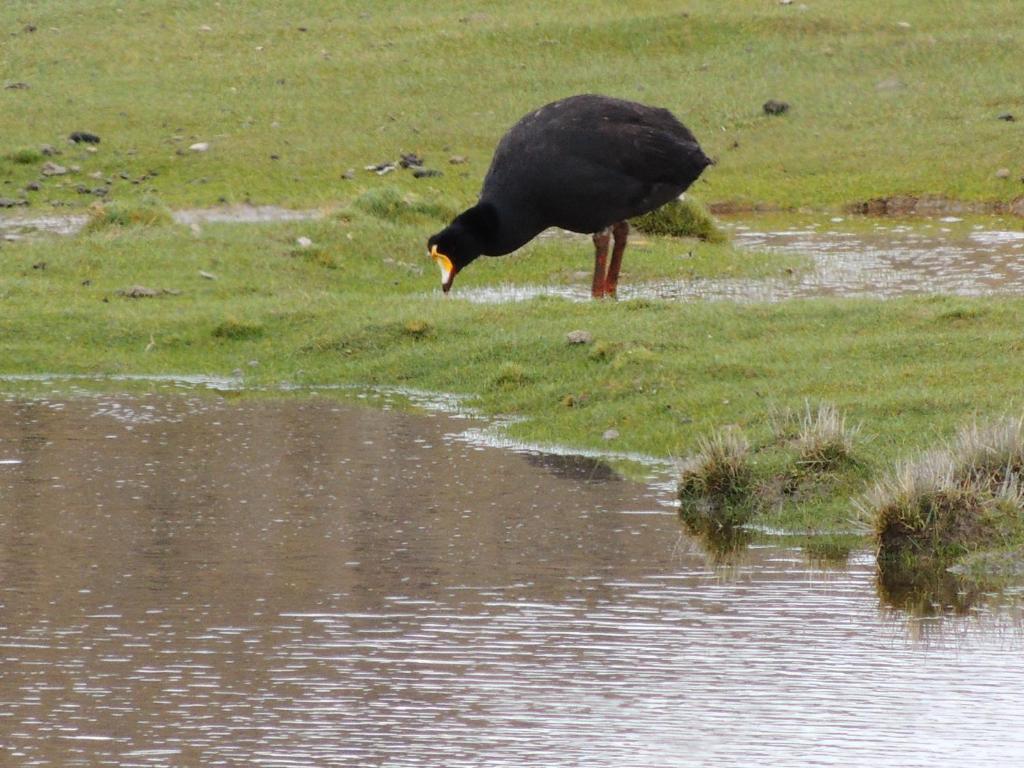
[584, 163]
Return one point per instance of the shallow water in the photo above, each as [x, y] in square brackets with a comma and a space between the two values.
[16, 226]
[190, 580]
[884, 262]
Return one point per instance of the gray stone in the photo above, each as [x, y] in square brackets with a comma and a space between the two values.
[775, 107]
[52, 169]
[579, 337]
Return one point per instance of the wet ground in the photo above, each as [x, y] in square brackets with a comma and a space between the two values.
[17, 226]
[882, 261]
[848, 257]
[188, 579]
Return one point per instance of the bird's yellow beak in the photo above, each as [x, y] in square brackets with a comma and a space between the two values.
[447, 268]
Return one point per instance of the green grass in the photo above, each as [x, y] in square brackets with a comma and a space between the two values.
[144, 213]
[292, 94]
[681, 218]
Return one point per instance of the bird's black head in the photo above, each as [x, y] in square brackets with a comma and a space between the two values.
[462, 241]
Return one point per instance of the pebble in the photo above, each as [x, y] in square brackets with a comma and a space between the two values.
[349, 174]
[579, 337]
[1006, 116]
[425, 173]
[52, 169]
[775, 107]
[201, 146]
[1003, 173]
[411, 160]
[890, 84]
[142, 292]
[381, 168]
[207, 275]
[48, 150]
[610, 434]
[17, 86]
[84, 137]
[33, 186]
[8, 202]
[304, 242]
[457, 159]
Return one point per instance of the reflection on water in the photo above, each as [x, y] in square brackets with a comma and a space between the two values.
[187, 581]
[886, 262]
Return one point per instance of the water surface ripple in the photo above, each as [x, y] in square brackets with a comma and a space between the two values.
[189, 580]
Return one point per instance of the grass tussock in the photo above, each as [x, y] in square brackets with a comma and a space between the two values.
[716, 483]
[953, 500]
[237, 330]
[392, 205]
[684, 217]
[144, 213]
[25, 156]
[510, 375]
[824, 441]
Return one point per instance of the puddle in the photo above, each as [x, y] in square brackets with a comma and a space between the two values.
[17, 226]
[244, 214]
[188, 580]
[887, 262]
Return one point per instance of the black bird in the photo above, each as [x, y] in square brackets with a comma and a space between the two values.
[587, 164]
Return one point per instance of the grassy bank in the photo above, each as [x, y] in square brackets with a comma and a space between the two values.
[887, 98]
[356, 305]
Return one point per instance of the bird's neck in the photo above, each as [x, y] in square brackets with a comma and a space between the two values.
[499, 230]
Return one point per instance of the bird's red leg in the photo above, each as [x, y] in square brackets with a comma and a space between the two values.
[601, 241]
[621, 233]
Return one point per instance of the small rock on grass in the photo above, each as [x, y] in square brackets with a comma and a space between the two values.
[52, 169]
[303, 242]
[1006, 117]
[381, 168]
[457, 159]
[207, 275]
[610, 434]
[1003, 173]
[84, 137]
[142, 292]
[425, 173]
[775, 107]
[579, 337]
[411, 160]
[8, 202]
[200, 146]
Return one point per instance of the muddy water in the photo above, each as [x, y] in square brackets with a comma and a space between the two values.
[187, 580]
[885, 262]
